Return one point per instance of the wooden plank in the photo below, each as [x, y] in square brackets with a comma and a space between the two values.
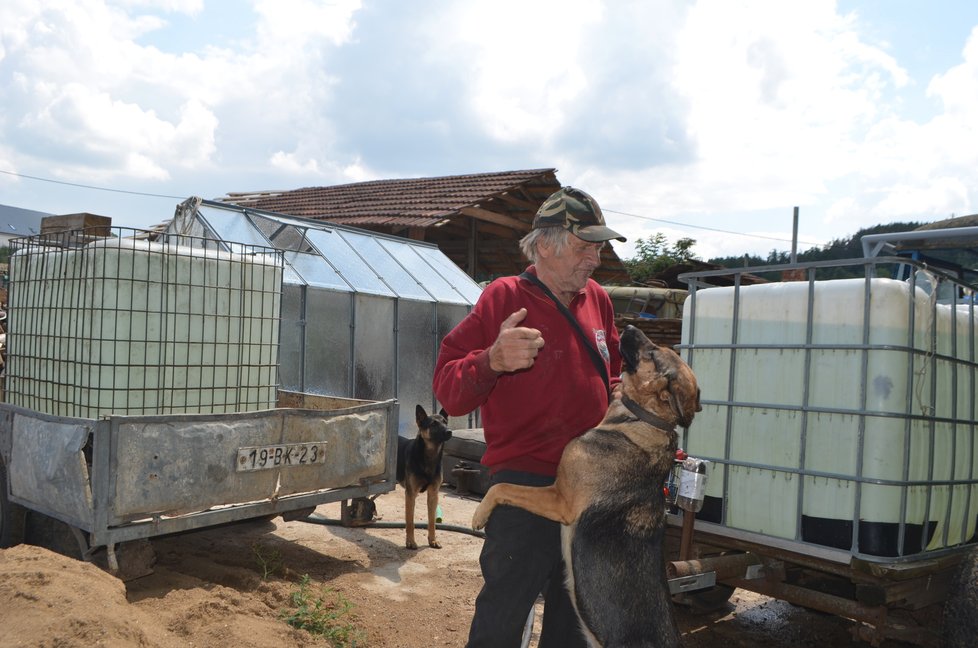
[495, 217]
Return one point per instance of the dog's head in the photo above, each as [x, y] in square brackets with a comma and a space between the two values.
[434, 428]
[658, 379]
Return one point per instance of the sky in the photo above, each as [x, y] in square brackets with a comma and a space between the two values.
[703, 119]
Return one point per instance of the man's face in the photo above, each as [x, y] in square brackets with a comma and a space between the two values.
[575, 263]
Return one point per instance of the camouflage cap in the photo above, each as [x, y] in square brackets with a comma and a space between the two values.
[578, 213]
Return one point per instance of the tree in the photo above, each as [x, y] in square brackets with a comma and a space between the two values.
[653, 255]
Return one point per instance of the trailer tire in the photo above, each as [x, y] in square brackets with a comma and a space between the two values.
[54, 535]
[960, 621]
[12, 516]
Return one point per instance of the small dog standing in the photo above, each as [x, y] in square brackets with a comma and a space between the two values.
[419, 469]
[608, 497]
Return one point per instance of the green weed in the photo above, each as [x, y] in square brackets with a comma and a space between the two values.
[269, 559]
[326, 618]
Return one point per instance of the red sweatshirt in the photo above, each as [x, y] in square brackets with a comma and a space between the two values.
[529, 416]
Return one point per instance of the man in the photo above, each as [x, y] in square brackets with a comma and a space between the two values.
[521, 360]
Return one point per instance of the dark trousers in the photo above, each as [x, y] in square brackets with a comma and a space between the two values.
[521, 559]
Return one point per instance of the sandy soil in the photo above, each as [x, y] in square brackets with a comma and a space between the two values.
[229, 586]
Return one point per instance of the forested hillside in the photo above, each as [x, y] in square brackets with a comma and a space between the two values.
[845, 248]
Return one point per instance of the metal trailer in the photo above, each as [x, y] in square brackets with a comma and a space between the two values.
[843, 463]
[127, 478]
[141, 398]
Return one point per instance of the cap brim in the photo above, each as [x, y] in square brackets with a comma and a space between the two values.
[598, 234]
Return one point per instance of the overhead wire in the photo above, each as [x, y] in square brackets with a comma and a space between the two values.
[704, 227]
[85, 186]
[612, 211]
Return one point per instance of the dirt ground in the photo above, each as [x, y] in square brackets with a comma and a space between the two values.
[228, 586]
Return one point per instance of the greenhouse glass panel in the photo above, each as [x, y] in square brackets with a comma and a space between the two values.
[408, 256]
[290, 344]
[416, 349]
[329, 354]
[348, 263]
[233, 226]
[373, 344]
[466, 287]
[315, 271]
[392, 272]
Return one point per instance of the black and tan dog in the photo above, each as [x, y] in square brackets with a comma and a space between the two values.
[419, 469]
[608, 497]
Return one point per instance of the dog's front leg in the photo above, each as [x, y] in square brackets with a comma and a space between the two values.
[545, 501]
[409, 497]
[432, 515]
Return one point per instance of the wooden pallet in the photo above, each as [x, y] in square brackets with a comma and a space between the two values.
[662, 331]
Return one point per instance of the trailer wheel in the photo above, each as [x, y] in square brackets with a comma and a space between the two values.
[960, 622]
[42, 530]
[12, 516]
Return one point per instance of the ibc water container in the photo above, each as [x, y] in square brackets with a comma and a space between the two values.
[860, 422]
[126, 326]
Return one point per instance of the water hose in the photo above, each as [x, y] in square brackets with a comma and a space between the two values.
[315, 518]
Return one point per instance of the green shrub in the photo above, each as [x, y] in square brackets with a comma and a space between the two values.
[324, 613]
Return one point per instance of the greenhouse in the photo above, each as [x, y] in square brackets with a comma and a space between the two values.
[362, 313]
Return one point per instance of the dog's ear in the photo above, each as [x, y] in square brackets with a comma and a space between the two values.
[420, 415]
[687, 410]
[444, 414]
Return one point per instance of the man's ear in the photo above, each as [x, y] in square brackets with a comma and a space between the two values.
[544, 250]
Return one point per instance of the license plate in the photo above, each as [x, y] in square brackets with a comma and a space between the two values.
[280, 456]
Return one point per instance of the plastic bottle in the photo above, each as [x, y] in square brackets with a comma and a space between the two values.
[692, 484]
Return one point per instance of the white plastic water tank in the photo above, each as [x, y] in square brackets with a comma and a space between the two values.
[126, 326]
[878, 403]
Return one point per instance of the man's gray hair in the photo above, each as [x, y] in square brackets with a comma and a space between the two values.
[555, 237]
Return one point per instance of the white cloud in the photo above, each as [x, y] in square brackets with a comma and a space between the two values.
[525, 72]
[712, 114]
[291, 163]
[189, 7]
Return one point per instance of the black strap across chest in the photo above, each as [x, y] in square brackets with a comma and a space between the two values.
[585, 340]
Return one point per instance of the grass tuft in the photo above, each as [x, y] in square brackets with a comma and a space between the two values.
[323, 612]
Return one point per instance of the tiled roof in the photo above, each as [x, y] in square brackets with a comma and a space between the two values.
[411, 202]
[477, 219]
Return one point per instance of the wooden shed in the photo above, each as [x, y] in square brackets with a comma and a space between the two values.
[476, 220]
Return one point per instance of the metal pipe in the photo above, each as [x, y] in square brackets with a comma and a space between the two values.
[686, 540]
[794, 237]
[873, 244]
[729, 566]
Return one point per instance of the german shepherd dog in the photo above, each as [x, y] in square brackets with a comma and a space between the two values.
[419, 469]
[608, 497]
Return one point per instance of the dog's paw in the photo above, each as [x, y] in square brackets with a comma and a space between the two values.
[434, 544]
[411, 544]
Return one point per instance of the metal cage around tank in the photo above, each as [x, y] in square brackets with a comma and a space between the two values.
[838, 413]
[105, 321]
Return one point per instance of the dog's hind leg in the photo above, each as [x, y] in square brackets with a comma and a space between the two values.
[433, 513]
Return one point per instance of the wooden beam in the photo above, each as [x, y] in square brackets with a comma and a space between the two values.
[494, 217]
[520, 202]
[459, 245]
[472, 251]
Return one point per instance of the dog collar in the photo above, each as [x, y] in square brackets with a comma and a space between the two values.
[645, 415]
